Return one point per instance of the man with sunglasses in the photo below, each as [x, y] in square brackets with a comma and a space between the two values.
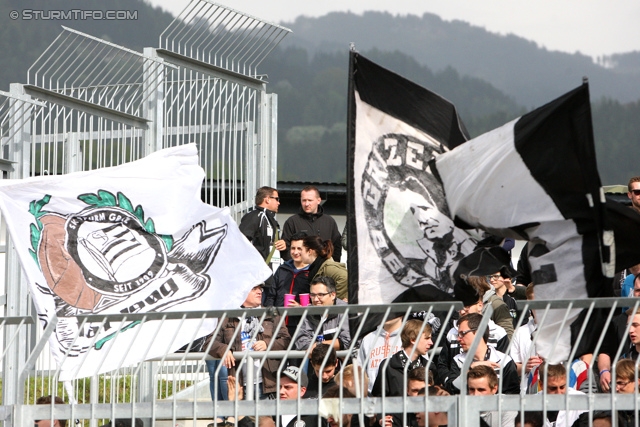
[499, 281]
[498, 338]
[468, 326]
[634, 192]
[262, 229]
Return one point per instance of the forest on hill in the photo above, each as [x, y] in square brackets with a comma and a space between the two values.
[312, 109]
[520, 68]
[490, 78]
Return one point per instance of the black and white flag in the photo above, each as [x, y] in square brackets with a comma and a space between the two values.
[402, 239]
[536, 179]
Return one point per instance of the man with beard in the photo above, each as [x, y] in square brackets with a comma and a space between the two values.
[634, 192]
[441, 244]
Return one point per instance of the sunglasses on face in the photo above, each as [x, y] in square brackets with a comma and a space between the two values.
[636, 192]
[277, 199]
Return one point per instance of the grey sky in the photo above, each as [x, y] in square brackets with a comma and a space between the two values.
[592, 27]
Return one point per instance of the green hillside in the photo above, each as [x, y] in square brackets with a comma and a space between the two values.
[518, 67]
[490, 78]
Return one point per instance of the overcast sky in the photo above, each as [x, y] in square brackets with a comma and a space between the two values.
[592, 27]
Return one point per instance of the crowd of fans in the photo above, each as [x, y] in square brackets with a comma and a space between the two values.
[398, 358]
[394, 360]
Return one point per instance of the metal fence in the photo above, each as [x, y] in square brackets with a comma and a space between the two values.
[88, 103]
[168, 391]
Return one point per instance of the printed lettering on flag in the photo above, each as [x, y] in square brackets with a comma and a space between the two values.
[129, 239]
[405, 236]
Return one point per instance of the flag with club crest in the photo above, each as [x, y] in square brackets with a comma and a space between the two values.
[403, 244]
[134, 238]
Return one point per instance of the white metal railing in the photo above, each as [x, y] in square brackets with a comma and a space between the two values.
[186, 372]
[89, 103]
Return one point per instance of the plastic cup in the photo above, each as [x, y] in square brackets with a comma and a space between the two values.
[304, 300]
[288, 298]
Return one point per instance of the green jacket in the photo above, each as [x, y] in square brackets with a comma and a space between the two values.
[338, 272]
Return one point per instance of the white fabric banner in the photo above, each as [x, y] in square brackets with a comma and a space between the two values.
[498, 191]
[404, 237]
[135, 238]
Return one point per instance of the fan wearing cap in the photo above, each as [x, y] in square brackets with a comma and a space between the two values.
[293, 384]
[253, 334]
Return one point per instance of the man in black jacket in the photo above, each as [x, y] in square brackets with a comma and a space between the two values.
[484, 355]
[415, 346]
[260, 225]
[294, 383]
[313, 221]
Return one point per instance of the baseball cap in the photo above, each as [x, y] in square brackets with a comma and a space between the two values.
[293, 372]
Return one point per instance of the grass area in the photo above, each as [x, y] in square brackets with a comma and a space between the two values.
[110, 389]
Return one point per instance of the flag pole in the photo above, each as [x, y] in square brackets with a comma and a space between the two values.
[351, 230]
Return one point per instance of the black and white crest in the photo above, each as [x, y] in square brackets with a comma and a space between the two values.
[402, 228]
[407, 214]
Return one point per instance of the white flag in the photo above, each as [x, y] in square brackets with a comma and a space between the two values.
[536, 179]
[135, 238]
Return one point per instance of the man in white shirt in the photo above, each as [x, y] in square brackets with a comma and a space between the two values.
[557, 384]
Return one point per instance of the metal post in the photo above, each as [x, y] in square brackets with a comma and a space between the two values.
[146, 384]
[17, 298]
[250, 378]
[271, 143]
[263, 136]
[153, 100]
[73, 153]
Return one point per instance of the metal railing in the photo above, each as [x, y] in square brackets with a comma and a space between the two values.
[89, 103]
[145, 395]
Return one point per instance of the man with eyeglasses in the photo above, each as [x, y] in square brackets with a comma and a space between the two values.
[333, 329]
[498, 337]
[262, 229]
[484, 355]
[499, 282]
[634, 192]
[252, 333]
[626, 383]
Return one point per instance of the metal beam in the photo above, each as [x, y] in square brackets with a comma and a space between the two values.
[212, 70]
[87, 107]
